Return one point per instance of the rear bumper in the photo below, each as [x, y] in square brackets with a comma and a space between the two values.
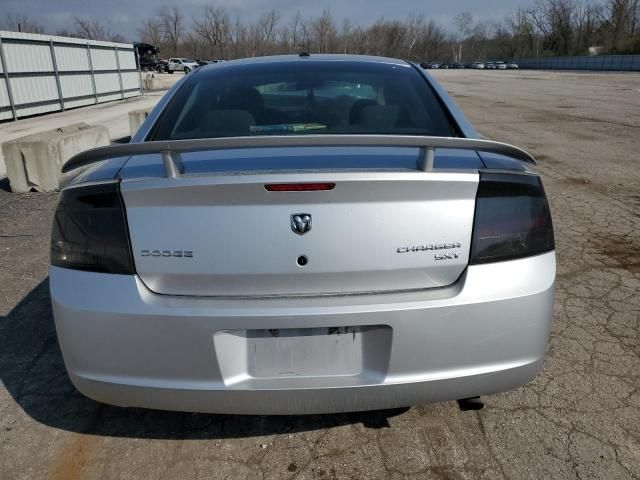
[124, 345]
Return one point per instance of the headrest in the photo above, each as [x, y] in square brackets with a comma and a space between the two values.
[227, 122]
[245, 98]
[356, 109]
[380, 117]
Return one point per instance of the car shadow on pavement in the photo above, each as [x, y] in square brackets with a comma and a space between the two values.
[32, 370]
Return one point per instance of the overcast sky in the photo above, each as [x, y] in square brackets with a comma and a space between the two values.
[124, 16]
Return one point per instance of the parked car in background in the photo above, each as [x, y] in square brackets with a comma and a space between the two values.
[146, 55]
[490, 66]
[251, 251]
[162, 66]
[512, 66]
[478, 65]
[181, 65]
[501, 66]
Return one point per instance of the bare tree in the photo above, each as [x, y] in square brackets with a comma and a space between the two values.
[21, 23]
[549, 27]
[346, 33]
[389, 38]
[434, 39]
[91, 29]
[481, 35]
[214, 28]
[172, 22]
[521, 33]
[294, 27]
[192, 46]
[415, 26]
[323, 30]
[266, 31]
[464, 25]
[117, 37]
[554, 19]
[305, 37]
[620, 22]
[587, 26]
[239, 39]
[151, 32]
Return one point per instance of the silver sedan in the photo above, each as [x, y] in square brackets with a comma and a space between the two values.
[302, 234]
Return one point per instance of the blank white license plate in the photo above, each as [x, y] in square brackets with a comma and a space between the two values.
[304, 352]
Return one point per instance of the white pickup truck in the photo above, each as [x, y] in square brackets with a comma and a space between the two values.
[181, 65]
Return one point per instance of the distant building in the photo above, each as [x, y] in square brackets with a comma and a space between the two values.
[595, 50]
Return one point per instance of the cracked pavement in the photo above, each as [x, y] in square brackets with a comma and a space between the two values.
[580, 418]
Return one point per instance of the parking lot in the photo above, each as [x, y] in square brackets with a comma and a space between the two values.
[112, 115]
[580, 418]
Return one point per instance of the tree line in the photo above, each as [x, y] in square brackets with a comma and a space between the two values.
[548, 27]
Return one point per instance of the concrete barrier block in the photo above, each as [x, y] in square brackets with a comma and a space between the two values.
[136, 117]
[151, 84]
[34, 162]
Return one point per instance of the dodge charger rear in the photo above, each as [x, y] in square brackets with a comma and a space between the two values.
[309, 234]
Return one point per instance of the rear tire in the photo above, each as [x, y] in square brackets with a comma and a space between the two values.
[186, 70]
[170, 71]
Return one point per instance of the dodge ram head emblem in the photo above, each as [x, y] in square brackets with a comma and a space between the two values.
[300, 223]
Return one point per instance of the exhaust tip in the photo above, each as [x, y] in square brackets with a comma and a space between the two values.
[471, 403]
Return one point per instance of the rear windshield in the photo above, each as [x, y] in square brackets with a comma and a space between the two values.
[289, 98]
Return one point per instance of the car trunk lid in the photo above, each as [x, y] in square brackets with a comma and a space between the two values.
[225, 234]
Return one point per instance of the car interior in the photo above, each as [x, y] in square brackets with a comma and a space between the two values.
[306, 106]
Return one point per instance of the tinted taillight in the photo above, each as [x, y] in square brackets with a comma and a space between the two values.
[512, 218]
[90, 230]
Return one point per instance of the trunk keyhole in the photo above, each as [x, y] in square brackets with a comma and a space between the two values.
[302, 260]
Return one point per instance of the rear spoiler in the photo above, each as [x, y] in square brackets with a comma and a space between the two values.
[171, 149]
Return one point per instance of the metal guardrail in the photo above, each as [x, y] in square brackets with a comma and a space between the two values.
[621, 63]
[171, 149]
[38, 67]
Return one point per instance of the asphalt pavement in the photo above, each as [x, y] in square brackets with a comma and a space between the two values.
[580, 418]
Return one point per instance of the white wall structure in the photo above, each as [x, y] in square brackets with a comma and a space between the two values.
[44, 73]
